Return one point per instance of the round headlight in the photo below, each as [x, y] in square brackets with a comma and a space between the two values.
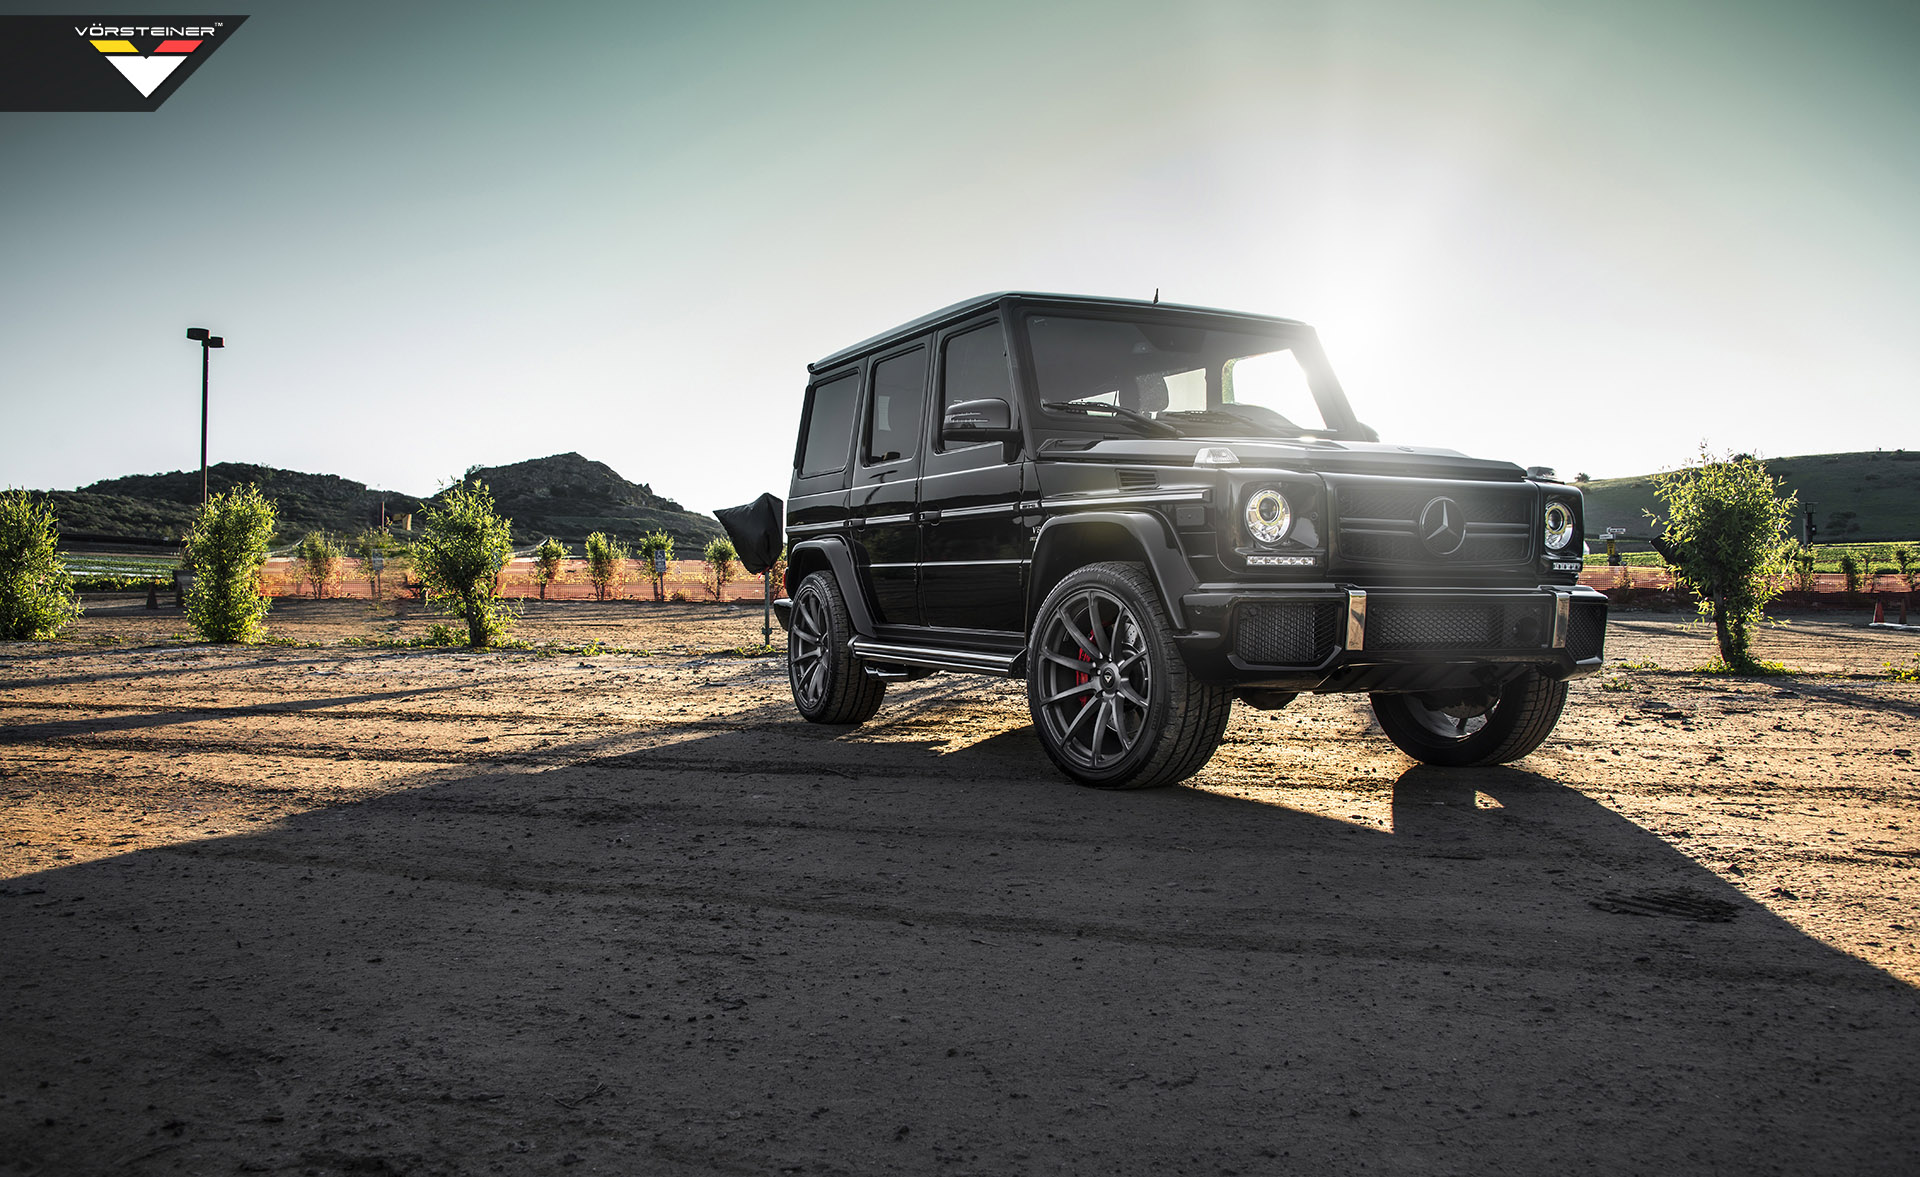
[1268, 516]
[1559, 525]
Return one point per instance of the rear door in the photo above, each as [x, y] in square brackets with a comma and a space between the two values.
[823, 457]
[974, 545]
[886, 481]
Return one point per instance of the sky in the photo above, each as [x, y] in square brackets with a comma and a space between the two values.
[439, 235]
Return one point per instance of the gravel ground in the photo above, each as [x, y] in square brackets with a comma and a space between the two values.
[322, 909]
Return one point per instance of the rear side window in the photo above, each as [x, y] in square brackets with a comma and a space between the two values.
[829, 426]
[899, 396]
[974, 367]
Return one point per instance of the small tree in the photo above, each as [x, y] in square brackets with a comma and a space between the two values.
[1850, 571]
[1725, 537]
[606, 566]
[1909, 570]
[720, 556]
[462, 549]
[322, 563]
[36, 593]
[656, 544]
[370, 547]
[226, 549]
[548, 559]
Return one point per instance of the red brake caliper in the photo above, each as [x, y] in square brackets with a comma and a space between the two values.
[1081, 678]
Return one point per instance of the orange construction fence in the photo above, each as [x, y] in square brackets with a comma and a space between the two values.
[282, 578]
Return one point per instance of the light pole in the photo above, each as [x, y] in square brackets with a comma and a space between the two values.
[199, 335]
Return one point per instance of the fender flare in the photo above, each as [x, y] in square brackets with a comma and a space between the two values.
[840, 560]
[1150, 532]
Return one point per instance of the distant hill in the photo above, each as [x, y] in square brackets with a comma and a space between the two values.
[566, 496]
[1875, 493]
[161, 506]
[569, 497]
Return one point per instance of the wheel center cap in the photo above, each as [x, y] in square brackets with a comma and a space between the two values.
[1107, 677]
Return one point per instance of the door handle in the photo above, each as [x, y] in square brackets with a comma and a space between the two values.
[930, 516]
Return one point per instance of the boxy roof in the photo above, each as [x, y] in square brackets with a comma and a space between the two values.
[961, 310]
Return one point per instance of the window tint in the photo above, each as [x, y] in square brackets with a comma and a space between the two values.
[830, 426]
[974, 367]
[899, 395]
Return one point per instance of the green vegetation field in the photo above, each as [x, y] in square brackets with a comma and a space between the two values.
[1855, 498]
[1874, 558]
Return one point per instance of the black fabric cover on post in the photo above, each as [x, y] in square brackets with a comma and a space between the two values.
[756, 531]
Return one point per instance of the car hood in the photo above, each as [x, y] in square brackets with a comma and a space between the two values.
[1343, 457]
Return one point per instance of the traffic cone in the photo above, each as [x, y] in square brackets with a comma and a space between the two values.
[1879, 611]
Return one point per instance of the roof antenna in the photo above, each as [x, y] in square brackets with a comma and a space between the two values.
[1156, 296]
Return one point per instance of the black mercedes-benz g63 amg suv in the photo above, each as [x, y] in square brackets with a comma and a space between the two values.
[1149, 510]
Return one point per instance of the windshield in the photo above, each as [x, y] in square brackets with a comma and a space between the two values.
[1198, 380]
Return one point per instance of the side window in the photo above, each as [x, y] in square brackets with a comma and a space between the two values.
[829, 426]
[973, 366]
[899, 396]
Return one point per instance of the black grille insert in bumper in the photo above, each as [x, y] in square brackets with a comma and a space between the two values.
[1291, 633]
[1587, 631]
[1412, 624]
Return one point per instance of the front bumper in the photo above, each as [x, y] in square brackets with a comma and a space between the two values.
[1338, 638]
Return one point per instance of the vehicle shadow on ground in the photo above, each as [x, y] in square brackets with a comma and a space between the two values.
[779, 947]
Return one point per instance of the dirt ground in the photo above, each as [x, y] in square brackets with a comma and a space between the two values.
[328, 909]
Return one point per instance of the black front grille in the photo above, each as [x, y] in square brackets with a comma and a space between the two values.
[1302, 633]
[1379, 521]
[1458, 625]
[1587, 632]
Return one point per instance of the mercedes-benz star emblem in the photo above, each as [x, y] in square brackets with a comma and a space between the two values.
[1443, 527]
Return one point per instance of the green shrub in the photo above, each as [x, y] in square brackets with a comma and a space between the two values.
[1725, 537]
[1850, 568]
[225, 550]
[719, 556]
[1907, 569]
[119, 584]
[655, 543]
[37, 597]
[322, 563]
[461, 551]
[548, 559]
[606, 566]
[1800, 569]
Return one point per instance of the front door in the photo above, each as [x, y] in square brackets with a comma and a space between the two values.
[974, 548]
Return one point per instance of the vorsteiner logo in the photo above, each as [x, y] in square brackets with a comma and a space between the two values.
[109, 63]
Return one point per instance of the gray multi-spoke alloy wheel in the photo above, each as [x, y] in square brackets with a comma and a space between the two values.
[1112, 700]
[1519, 718]
[829, 683]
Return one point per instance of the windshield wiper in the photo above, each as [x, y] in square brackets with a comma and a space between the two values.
[1258, 416]
[1131, 416]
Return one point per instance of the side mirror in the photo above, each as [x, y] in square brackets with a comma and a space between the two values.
[968, 422]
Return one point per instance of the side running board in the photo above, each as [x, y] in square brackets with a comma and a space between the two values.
[969, 661]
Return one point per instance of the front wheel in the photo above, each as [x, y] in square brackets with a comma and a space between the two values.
[1459, 732]
[1111, 697]
[829, 684]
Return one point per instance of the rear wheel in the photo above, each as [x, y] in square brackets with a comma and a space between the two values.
[1460, 731]
[829, 683]
[1112, 700]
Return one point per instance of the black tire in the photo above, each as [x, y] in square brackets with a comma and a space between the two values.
[1135, 717]
[829, 684]
[1521, 717]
